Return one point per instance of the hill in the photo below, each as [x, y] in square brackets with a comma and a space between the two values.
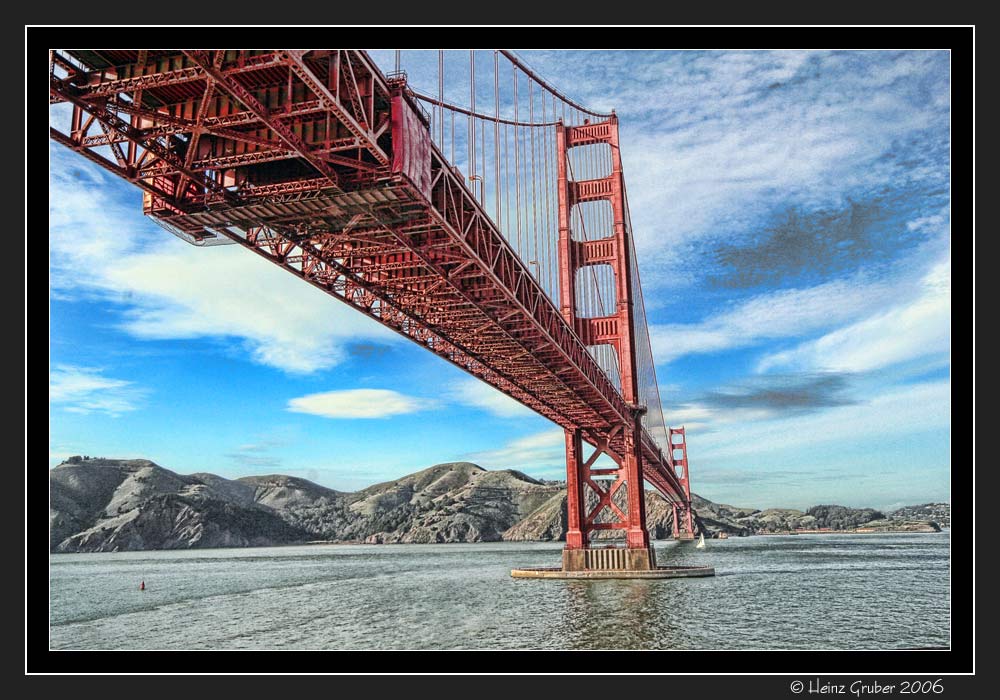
[117, 505]
[100, 505]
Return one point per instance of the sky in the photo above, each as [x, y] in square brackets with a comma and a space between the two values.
[791, 218]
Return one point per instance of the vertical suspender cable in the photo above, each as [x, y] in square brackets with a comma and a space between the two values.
[517, 169]
[470, 132]
[441, 98]
[546, 185]
[534, 216]
[482, 151]
[595, 224]
[597, 290]
[506, 179]
[496, 133]
[555, 222]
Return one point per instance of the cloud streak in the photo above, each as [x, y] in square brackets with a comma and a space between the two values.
[780, 314]
[359, 403]
[787, 394]
[892, 413]
[916, 329]
[86, 390]
[762, 398]
[820, 243]
[258, 455]
[475, 393]
[543, 452]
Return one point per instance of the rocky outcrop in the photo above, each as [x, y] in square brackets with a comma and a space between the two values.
[545, 523]
[715, 518]
[106, 505]
[458, 502]
[173, 521]
[119, 505]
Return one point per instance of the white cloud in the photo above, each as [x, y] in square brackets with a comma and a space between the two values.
[915, 329]
[359, 403]
[713, 139]
[473, 392]
[105, 247]
[86, 390]
[230, 292]
[536, 451]
[540, 454]
[781, 314]
[893, 412]
[692, 416]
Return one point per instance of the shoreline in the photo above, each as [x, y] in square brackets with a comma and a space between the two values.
[862, 531]
[713, 536]
[513, 542]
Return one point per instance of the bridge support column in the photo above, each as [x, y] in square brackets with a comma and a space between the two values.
[636, 537]
[574, 554]
[575, 501]
[639, 554]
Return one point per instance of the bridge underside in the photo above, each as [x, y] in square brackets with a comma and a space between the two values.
[318, 163]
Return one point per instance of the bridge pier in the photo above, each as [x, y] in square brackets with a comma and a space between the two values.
[620, 559]
[591, 507]
[610, 562]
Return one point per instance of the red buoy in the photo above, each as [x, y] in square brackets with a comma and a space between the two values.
[142, 585]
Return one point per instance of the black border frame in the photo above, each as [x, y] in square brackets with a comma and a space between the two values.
[958, 660]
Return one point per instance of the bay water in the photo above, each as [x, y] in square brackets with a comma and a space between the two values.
[877, 591]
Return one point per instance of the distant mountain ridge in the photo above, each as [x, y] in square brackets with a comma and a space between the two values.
[99, 505]
[719, 517]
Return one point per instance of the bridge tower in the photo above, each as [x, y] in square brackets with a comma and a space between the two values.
[683, 524]
[601, 509]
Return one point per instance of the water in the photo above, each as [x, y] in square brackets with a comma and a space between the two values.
[782, 592]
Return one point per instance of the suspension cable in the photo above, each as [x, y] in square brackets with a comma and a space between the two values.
[513, 58]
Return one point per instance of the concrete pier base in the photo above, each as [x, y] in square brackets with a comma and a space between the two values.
[586, 559]
[612, 562]
[658, 572]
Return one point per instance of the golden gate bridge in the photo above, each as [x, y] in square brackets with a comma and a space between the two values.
[495, 234]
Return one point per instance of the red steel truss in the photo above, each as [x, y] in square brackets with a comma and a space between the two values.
[319, 163]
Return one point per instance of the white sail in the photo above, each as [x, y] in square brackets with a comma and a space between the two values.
[701, 542]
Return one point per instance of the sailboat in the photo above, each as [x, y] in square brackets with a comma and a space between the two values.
[701, 542]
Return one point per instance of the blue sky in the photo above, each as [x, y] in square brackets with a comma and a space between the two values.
[791, 215]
